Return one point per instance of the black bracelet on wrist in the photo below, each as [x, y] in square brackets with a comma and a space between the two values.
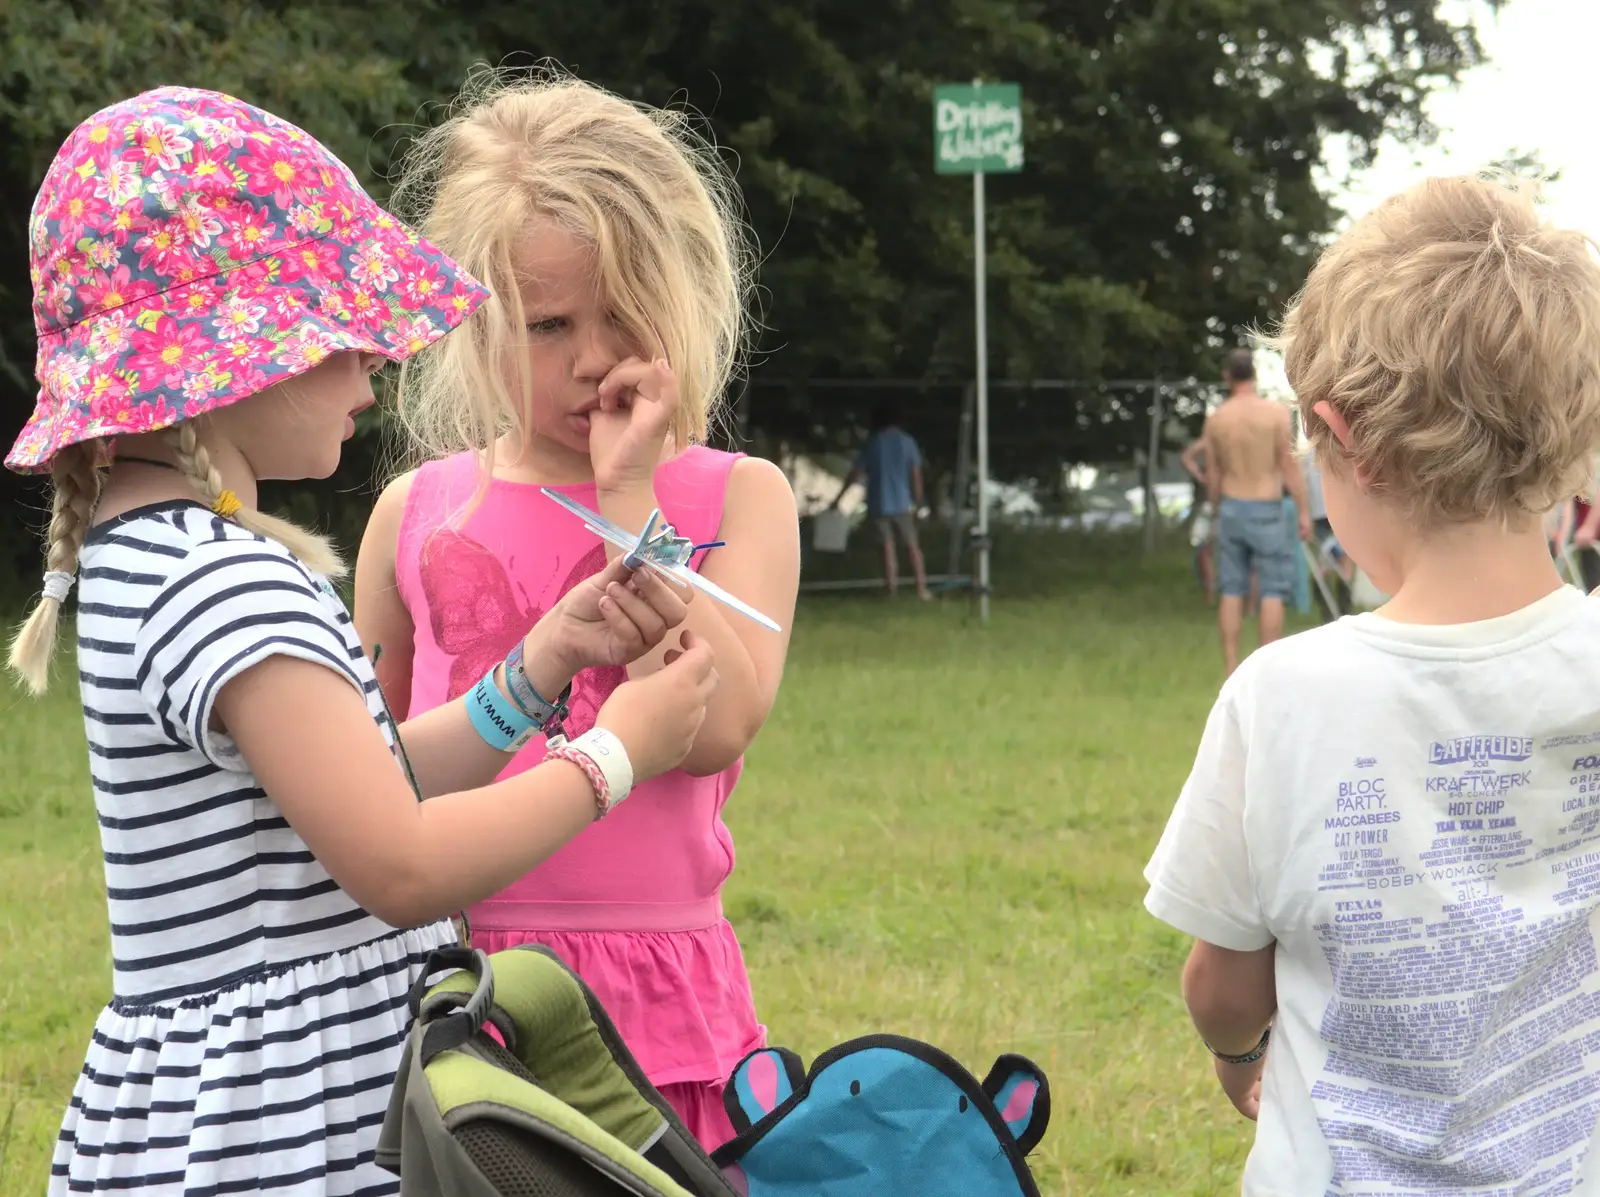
[1249, 1057]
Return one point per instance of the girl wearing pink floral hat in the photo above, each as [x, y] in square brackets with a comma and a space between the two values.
[212, 291]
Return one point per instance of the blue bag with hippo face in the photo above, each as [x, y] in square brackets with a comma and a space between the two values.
[882, 1116]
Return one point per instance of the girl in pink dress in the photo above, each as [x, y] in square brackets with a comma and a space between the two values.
[618, 274]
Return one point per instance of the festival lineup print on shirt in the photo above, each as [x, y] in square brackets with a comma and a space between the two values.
[1500, 1075]
[477, 616]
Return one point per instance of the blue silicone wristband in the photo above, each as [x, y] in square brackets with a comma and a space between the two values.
[496, 718]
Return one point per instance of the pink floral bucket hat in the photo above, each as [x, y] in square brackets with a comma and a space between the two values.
[188, 250]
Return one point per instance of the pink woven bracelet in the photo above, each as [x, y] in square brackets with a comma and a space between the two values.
[597, 779]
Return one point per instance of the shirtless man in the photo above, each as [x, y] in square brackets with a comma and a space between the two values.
[1249, 460]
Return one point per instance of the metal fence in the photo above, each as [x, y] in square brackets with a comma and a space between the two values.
[1042, 434]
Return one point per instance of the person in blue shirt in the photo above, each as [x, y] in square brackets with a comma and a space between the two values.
[892, 465]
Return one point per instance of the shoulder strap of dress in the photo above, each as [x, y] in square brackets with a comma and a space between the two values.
[692, 487]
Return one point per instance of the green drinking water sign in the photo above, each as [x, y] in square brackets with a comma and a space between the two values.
[977, 128]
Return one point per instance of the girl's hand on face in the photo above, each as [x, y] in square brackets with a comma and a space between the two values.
[637, 402]
[612, 618]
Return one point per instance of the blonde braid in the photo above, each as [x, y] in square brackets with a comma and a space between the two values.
[316, 552]
[77, 484]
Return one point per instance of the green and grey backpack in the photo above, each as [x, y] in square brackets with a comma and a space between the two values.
[469, 1117]
[549, 1103]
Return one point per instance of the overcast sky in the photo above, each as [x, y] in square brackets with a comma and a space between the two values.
[1535, 93]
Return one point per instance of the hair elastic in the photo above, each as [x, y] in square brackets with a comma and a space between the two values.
[57, 584]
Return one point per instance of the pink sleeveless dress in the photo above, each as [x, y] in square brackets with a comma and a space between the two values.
[633, 904]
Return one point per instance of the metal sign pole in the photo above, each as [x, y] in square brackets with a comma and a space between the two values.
[961, 492]
[977, 129]
[978, 239]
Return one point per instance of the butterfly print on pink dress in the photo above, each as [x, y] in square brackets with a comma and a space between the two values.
[476, 617]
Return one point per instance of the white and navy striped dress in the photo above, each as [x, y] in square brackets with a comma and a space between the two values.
[259, 1012]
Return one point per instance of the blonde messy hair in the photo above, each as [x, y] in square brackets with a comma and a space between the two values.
[77, 478]
[651, 198]
[1458, 334]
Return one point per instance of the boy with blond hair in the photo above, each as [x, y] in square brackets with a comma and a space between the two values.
[1388, 850]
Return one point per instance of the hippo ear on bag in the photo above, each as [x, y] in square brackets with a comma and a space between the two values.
[881, 1116]
[1022, 1096]
[764, 1080]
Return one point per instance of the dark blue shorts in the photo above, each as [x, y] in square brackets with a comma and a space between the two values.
[1253, 537]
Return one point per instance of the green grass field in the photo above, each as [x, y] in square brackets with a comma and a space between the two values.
[941, 833]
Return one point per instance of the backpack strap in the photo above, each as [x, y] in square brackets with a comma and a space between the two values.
[443, 1031]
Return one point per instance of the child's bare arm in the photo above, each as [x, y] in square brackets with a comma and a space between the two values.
[444, 754]
[1231, 995]
[380, 615]
[760, 564]
[1203, 883]
[305, 734]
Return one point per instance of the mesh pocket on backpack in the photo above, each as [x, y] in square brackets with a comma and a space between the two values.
[519, 1164]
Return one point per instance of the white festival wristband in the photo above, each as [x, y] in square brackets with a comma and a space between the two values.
[605, 752]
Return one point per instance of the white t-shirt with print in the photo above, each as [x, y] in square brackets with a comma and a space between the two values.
[1412, 814]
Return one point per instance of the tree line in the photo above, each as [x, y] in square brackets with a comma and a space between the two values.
[1171, 196]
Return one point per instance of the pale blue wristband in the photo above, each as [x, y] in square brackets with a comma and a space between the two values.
[496, 718]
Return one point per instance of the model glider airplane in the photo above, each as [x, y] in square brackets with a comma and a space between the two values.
[663, 550]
